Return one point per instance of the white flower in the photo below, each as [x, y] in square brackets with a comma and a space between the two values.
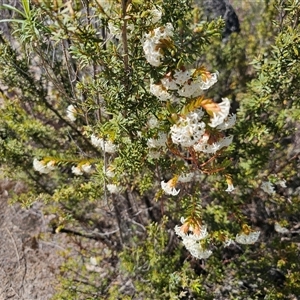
[230, 188]
[155, 16]
[109, 171]
[280, 229]
[109, 147]
[215, 120]
[197, 250]
[228, 242]
[202, 234]
[152, 53]
[86, 168]
[152, 122]
[168, 31]
[169, 187]
[191, 240]
[187, 131]
[113, 188]
[169, 83]
[250, 238]
[282, 183]
[93, 261]
[267, 187]
[71, 113]
[159, 142]
[220, 115]
[203, 82]
[210, 79]
[77, 170]
[42, 167]
[152, 43]
[229, 122]
[106, 146]
[188, 89]
[182, 76]
[160, 92]
[202, 146]
[97, 142]
[39, 166]
[114, 30]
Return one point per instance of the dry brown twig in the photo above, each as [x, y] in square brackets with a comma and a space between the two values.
[15, 245]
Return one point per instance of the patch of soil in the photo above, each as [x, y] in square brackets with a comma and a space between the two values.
[28, 265]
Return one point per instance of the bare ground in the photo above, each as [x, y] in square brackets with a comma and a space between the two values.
[28, 265]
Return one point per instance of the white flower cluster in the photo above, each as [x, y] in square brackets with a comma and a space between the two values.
[46, 168]
[191, 131]
[187, 131]
[92, 266]
[42, 167]
[109, 171]
[249, 238]
[159, 142]
[282, 183]
[80, 169]
[280, 229]
[155, 16]
[228, 122]
[221, 114]
[106, 146]
[192, 235]
[189, 85]
[185, 83]
[71, 113]
[114, 189]
[230, 188]
[152, 122]
[169, 187]
[268, 187]
[156, 145]
[153, 41]
[109, 174]
[190, 239]
[159, 91]
[205, 147]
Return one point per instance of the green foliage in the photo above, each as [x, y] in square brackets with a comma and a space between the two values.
[76, 102]
[155, 270]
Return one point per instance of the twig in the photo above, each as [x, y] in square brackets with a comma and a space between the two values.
[16, 294]
[52, 244]
[124, 34]
[136, 223]
[15, 246]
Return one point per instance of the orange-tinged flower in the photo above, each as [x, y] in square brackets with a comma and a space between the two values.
[169, 187]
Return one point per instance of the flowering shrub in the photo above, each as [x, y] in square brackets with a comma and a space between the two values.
[119, 116]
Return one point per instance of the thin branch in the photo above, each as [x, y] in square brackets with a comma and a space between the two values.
[124, 34]
[15, 246]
